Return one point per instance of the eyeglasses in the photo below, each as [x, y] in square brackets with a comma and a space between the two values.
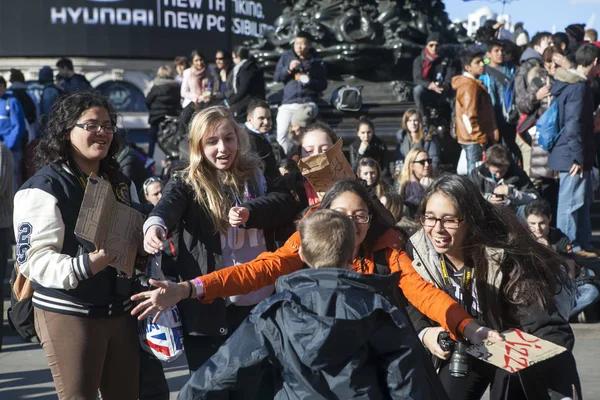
[433, 45]
[422, 162]
[446, 222]
[95, 128]
[360, 219]
[148, 182]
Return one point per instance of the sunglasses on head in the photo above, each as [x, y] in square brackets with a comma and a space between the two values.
[367, 163]
[149, 181]
[423, 162]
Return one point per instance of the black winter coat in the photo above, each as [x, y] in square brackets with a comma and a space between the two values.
[263, 148]
[520, 188]
[377, 150]
[327, 334]
[163, 99]
[200, 246]
[441, 65]
[133, 166]
[250, 84]
[27, 103]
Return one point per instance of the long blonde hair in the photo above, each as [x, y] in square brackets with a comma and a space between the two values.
[208, 183]
[407, 114]
[406, 172]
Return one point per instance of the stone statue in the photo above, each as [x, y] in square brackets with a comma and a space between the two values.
[370, 39]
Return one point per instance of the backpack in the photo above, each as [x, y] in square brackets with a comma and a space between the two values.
[20, 313]
[548, 127]
[347, 98]
[509, 105]
[168, 137]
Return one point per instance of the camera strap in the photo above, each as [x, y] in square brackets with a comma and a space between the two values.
[466, 285]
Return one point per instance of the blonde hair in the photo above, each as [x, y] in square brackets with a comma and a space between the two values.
[406, 172]
[210, 185]
[327, 239]
[409, 113]
[164, 72]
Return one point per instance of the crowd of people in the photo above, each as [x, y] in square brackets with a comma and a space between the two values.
[287, 291]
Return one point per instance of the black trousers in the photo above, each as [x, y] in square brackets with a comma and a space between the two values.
[152, 136]
[5, 239]
[198, 349]
[153, 383]
[552, 379]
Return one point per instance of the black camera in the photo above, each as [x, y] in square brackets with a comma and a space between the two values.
[459, 360]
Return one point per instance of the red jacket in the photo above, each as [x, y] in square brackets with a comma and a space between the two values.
[267, 267]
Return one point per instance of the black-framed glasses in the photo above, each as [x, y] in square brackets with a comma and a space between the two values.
[422, 162]
[149, 181]
[447, 222]
[360, 218]
[95, 128]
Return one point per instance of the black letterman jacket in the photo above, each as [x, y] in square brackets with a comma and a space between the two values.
[52, 257]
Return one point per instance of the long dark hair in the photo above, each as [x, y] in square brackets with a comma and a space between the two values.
[55, 143]
[530, 270]
[381, 221]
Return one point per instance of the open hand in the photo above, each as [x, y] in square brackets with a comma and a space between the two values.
[156, 301]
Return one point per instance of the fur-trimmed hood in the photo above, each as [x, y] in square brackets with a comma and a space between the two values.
[569, 76]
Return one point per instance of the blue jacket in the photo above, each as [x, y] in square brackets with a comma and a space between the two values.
[576, 144]
[12, 122]
[76, 83]
[294, 91]
[50, 94]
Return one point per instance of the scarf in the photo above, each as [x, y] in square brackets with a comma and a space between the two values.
[428, 63]
[198, 81]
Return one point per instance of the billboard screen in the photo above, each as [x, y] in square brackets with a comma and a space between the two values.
[160, 29]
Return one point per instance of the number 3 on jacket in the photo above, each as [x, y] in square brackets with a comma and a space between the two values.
[23, 245]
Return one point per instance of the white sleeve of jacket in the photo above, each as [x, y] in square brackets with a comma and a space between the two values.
[518, 197]
[40, 231]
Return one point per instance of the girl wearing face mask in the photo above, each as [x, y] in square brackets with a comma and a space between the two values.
[81, 312]
[198, 84]
[368, 170]
[413, 136]
[378, 250]
[368, 145]
[223, 175]
[513, 281]
[415, 178]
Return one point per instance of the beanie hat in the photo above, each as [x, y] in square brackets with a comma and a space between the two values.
[577, 31]
[433, 37]
[45, 75]
[302, 116]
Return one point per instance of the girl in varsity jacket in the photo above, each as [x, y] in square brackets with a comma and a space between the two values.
[80, 302]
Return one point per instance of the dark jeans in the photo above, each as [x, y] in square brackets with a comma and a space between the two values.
[198, 349]
[5, 238]
[474, 154]
[427, 98]
[152, 136]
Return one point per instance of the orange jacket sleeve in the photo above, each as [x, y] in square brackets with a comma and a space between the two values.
[258, 273]
[426, 297]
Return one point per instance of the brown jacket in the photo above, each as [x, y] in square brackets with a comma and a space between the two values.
[475, 122]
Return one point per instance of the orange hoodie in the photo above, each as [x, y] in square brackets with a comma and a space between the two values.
[268, 266]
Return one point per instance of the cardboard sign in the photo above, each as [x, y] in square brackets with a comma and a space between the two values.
[519, 351]
[110, 225]
[323, 170]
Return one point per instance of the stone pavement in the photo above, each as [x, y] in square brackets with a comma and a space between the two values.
[24, 373]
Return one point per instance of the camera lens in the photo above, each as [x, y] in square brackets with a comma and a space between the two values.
[459, 362]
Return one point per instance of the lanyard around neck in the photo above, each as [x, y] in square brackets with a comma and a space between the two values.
[467, 279]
